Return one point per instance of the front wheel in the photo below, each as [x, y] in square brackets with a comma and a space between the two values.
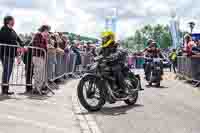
[133, 99]
[90, 95]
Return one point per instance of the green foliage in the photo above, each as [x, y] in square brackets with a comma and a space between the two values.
[73, 36]
[159, 33]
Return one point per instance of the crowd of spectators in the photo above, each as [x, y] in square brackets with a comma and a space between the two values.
[52, 43]
[190, 47]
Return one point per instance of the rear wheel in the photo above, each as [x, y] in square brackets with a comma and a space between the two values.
[133, 99]
[158, 84]
[90, 94]
[134, 85]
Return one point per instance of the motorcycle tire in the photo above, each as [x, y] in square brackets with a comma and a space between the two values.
[82, 99]
[132, 100]
[158, 84]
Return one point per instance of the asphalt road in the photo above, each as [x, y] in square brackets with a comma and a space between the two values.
[173, 108]
[22, 113]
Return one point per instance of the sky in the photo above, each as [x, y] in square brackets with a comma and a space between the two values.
[87, 17]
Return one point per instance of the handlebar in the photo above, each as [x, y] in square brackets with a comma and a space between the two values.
[152, 59]
[148, 58]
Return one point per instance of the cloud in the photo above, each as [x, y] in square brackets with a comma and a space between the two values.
[87, 16]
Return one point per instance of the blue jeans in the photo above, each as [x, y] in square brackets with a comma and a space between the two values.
[7, 71]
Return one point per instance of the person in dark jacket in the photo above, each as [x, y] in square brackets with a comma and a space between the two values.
[151, 52]
[8, 53]
[76, 50]
[115, 59]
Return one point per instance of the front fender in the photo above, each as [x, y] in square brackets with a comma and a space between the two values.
[92, 76]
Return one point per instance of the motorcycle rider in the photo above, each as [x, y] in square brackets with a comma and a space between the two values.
[151, 52]
[115, 58]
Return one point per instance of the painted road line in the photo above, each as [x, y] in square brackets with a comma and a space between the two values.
[87, 122]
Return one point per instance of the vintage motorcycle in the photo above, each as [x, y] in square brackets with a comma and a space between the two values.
[154, 74]
[98, 87]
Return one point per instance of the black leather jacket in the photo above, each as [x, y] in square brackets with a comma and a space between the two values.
[115, 57]
[8, 36]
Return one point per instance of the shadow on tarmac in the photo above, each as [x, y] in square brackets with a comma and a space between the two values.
[35, 96]
[154, 86]
[113, 111]
[4, 98]
[119, 110]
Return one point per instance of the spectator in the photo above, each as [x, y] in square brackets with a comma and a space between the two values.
[40, 40]
[52, 44]
[60, 48]
[188, 44]
[65, 43]
[91, 49]
[76, 50]
[7, 54]
[173, 59]
[27, 59]
[51, 56]
[196, 48]
[88, 47]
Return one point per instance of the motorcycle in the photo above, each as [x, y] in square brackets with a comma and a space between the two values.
[154, 74]
[98, 87]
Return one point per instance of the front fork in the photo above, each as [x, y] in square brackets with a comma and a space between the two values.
[139, 82]
[106, 87]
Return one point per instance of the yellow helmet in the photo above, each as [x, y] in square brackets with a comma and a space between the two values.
[108, 37]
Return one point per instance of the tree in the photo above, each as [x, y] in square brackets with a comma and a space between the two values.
[147, 31]
[138, 40]
[159, 33]
[166, 40]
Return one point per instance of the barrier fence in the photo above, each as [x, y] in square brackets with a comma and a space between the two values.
[61, 65]
[38, 68]
[189, 67]
[23, 67]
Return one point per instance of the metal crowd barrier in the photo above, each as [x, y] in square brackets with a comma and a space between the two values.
[189, 67]
[86, 59]
[23, 67]
[61, 65]
[184, 66]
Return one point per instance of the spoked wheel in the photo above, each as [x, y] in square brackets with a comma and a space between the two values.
[90, 95]
[133, 99]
